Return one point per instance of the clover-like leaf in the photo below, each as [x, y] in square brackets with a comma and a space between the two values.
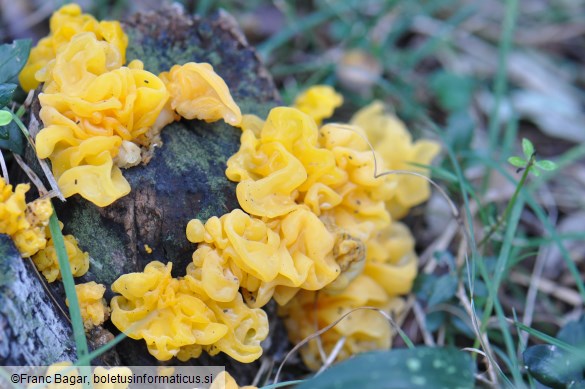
[527, 148]
[534, 171]
[517, 161]
[546, 165]
[5, 118]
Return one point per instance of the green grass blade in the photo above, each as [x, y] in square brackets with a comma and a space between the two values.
[69, 284]
[547, 338]
[501, 80]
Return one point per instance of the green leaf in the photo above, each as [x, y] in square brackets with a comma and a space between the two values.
[527, 148]
[552, 366]
[434, 289]
[534, 171]
[546, 165]
[556, 366]
[421, 367]
[5, 118]
[443, 290]
[517, 161]
[13, 57]
[574, 333]
[14, 141]
[6, 92]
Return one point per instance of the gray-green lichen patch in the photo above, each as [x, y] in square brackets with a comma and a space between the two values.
[32, 329]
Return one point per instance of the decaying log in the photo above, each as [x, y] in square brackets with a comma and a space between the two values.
[32, 329]
[185, 179]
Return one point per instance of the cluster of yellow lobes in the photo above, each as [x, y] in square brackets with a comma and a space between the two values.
[27, 225]
[24, 223]
[92, 305]
[97, 114]
[317, 215]
[177, 318]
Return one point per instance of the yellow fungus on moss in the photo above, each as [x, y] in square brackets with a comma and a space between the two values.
[96, 113]
[47, 262]
[92, 305]
[225, 381]
[197, 92]
[319, 102]
[176, 318]
[67, 22]
[24, 223]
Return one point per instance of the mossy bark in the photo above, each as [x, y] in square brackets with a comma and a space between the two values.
[32, 328]
[185, 179]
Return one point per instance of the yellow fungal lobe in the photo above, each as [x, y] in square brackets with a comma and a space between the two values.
[24, 223]
[67, 22]
[393, 143]
[363, 330]
[47, 262]
[197, 92]
[96, 114]
[319, 102]
[263, 258]
[148, 249]
[92, 305]
[176, 318]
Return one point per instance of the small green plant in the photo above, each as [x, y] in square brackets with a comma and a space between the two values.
[528, 164]
[529, 161]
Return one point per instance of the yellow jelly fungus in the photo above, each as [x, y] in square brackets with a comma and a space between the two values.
[95, 116]
[148, 249]
[67, 22]
[176, 318]
[47, 262]
[92, 305]
[390, 269]
[287, 165]
[319, 102]
[264, 259]
[24, 223]
[197, 92]
[362, 330]
[391, 260]
[293, 163]
[225, 381]
[394, 145]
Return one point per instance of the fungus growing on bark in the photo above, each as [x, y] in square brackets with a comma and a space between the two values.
[25, 223]
[176, 318]
[92, 305]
